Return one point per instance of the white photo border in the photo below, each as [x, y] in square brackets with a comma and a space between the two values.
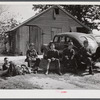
[63, 94]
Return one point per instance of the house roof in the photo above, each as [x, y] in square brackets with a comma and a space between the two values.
[39, 14]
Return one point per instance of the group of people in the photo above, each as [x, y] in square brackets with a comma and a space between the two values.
[68, 59]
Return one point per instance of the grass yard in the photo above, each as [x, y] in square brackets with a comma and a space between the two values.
[51, 81]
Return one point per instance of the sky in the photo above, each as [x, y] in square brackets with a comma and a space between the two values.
[20, 12]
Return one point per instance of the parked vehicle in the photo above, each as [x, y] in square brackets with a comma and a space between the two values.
[60, 41]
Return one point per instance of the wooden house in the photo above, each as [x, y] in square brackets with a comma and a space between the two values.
[41, 28]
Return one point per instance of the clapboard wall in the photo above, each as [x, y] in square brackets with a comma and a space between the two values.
[42, 28]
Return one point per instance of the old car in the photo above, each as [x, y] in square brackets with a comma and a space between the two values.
[61, 40]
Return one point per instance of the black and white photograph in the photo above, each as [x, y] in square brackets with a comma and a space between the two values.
[49, 46]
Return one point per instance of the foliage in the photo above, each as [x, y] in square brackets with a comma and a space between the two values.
[7, 22]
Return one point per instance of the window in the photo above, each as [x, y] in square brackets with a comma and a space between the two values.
[56, 39]
[54, 31]
[62, 39]
[82, 29]
[67, 39]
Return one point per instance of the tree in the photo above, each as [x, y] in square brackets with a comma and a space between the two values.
[84, 13]
[3, 8]
[7, 22]
[6, 26]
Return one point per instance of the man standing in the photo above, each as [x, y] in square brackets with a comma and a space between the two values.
[32, 58]
[53, 56]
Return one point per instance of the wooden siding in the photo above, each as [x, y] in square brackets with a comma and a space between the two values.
[35, 37]
[46, 22]
[41, 31]
[23, 39]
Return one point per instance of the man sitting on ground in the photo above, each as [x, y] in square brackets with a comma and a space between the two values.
[32, 58]
[8, 68]
[96, 55]
[53, 56]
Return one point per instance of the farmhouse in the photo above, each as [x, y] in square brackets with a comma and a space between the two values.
[41, 28]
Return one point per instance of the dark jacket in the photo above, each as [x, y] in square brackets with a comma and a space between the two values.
[52, 54]
[68, 53]
[85, 52]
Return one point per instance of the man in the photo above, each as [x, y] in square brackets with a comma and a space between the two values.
[32, 58]
[6, 64]
[68, 56]
[86, 55]
[53, 56]
[8, 68]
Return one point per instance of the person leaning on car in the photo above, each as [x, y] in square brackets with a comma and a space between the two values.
[69, 56]
[86, 55]
[53, 56]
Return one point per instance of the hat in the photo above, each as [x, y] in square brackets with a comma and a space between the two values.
[31, 44]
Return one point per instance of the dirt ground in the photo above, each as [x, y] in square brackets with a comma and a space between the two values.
[52, 81]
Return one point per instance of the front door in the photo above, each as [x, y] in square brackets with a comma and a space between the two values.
[35, 37]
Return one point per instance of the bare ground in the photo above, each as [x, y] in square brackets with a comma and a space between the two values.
[51, 81]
